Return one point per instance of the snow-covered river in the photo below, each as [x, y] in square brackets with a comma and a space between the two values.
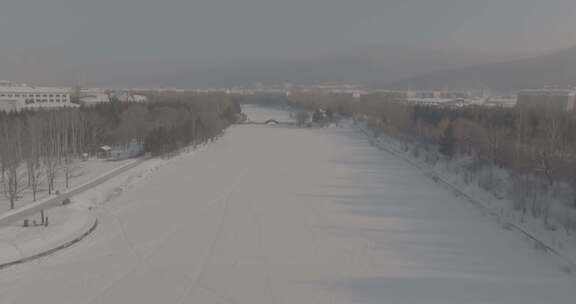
[271, 214]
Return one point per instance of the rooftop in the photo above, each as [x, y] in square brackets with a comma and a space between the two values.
[11, 87]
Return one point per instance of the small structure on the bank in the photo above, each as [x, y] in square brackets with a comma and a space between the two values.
[131, 150]
[104, 151]
[121, 151]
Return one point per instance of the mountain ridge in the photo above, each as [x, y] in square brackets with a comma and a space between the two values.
[557, 68]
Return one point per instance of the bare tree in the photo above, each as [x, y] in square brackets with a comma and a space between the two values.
[52, 151]
[13, 177]
[33, 153]
[302, 117]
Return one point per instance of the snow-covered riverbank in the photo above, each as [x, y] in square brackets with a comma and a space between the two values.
[453, 175]
[292, 215]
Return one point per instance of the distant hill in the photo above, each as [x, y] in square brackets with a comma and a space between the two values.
[363, 65]
[556, 68]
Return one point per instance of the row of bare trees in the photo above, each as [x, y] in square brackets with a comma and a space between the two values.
[33, 147]
[39, 147]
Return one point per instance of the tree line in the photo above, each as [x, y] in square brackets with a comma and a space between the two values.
[36, 146]
[535, 147]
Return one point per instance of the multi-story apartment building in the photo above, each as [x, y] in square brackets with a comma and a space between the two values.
[15, 97]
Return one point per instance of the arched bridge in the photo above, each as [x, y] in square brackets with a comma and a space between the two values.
[271, 122]
[267, 122]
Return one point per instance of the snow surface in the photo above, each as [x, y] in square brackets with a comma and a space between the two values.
[495, 202]
[289, 215]
[66, 225]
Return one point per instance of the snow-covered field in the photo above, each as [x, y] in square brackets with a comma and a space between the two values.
[288, 215]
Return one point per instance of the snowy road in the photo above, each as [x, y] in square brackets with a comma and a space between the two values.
[285, 215]
[34, 208]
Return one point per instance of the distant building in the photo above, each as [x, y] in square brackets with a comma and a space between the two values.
[92, 97]
[503, 101]
[128, 96]
[16, 97]
[11, 104]
[448, 95]
[388, 95]
[553, 99]
[443, 102]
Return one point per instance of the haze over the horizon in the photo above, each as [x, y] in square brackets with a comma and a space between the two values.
[109, 41]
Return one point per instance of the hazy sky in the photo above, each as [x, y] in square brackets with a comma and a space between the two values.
[62, 38]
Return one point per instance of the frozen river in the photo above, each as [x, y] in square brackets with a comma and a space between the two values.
[271, 214]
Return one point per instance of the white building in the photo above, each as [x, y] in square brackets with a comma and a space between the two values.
[501, 101]
[128, 96]
[16, 97]
[93, 96]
